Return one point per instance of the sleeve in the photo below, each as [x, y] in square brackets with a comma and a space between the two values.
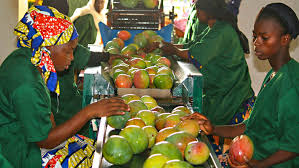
[197, 38]
[289, 121]
[208, 47]
[81, 57]
[97, 57]
[32, 105]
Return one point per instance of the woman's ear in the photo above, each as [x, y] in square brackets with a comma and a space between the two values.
[285, 39]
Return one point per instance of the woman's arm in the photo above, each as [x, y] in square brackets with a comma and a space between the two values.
[229, 131]
[278, 157]
[174, 49]
[105, 107]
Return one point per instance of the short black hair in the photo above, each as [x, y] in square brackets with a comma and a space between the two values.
[283, 15]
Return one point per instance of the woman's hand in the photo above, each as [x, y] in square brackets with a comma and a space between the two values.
[115, 56]
[249, 164]
[204, 123]
[151, 47]
[107, 107]
[232, 165]
[168, 48]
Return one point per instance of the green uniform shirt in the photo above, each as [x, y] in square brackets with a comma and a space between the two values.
[3, 161]
[24, 110]
[70, 99]
[274, 122]
[227, 81]
[193, 27]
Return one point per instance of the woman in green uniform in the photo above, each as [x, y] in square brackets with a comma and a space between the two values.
[193, 26]
[219, 55]
[62, 108]
[47, 39]
[273, 124]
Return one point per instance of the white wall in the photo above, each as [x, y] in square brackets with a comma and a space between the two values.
[248, 12]
[8, 19]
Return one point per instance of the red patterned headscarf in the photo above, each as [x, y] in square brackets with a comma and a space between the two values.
[40, 27]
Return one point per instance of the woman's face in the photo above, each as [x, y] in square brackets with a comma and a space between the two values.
[202, 16]
[267, 38]
[62, 55]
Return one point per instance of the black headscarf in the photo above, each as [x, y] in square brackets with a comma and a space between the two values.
[286, 15]
[218, 9]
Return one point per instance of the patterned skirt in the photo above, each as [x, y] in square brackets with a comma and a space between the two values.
[77, 152]
[221, 146]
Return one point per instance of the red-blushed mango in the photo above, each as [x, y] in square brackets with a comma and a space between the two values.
[120, 42]
[197, 153]
[129, 97]
[165, 70]
[164, 133]
[151, 133]
[241, 148]
[141, 79]
[177, 164]
[147, 116]
[189, 126]
[154, 58]
[151, 70]
[117, 72]
[155, 161]
[160, 121]
[140, 40]
[132, 71]
[151, 4]
[136, 121]
[159, 109]
[181, 110]
[116, 61]
[124, 35]
[164, 61]
[111, 44]
[128, 51]
[149, 33]
[136, 106]
[137, 63]
[141, 53]
[180, 140]
[123, 81]
[123, 66]
[135, 46]
[167, 149]
[172, 120]
[117, 150]
[163, 81]
[151, 83]
[136, 137]
[113, 50]
[148, 56]
[156, 39]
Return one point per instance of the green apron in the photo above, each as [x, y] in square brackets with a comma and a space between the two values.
[69, 101]
[273, 124]
[24, 110]
[227, 81]
[193, 27]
